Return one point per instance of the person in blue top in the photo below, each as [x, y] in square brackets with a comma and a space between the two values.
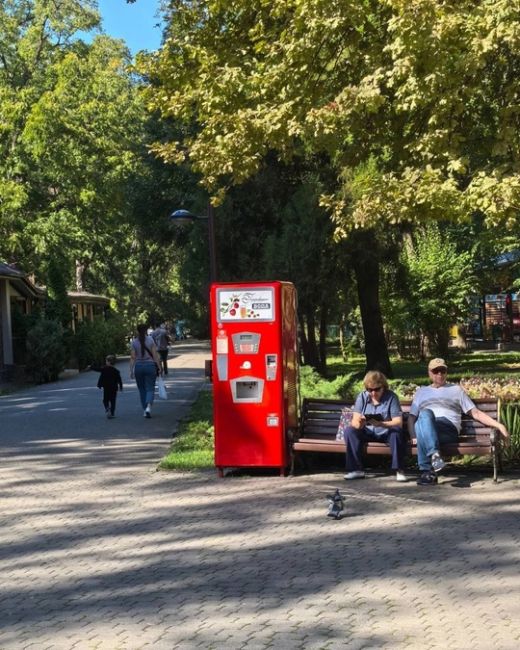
[378, 417]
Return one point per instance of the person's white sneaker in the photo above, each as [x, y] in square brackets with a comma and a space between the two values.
[400, 477]
[148, 411]
[349, 476]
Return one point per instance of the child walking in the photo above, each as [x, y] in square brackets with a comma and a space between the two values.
[109, 380]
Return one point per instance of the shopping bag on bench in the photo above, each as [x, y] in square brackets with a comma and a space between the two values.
[345, 421]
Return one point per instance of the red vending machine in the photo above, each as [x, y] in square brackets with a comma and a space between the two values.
[255, 373]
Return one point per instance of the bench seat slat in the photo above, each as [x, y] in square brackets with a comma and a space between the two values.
[378, 447]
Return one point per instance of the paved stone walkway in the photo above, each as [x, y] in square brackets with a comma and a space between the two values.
[99, 550]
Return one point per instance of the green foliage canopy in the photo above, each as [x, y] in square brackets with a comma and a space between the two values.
[34, 34]
[71, 135]
[414, 103]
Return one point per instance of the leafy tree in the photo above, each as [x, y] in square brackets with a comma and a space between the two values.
[358, 81]
[34, 35]
[83, 138]
[76, 177]
[408, 137]
[57, 306]
[272, 228]
[151, 283]
[94, 340]
[439, 281]
[301, 249]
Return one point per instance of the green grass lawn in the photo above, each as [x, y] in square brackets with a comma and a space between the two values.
[192, 447]
[482, 363]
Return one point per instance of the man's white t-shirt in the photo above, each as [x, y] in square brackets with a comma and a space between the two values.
[448, 401]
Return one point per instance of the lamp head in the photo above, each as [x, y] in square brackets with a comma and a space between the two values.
[182, 216]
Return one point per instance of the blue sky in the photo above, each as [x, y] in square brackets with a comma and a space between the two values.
[134, 23]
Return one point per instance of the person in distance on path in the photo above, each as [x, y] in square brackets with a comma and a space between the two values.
[162, 339]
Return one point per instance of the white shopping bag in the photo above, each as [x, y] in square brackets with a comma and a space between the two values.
[161, 388]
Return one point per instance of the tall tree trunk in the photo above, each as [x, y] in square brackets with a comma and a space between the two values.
[308, 339]
[366, 268]
[342, 345]
[304, 345]
[323, 340]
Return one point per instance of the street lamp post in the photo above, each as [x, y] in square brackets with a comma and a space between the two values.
[185, 216]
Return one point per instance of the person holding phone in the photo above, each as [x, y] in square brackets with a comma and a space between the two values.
[377, 417]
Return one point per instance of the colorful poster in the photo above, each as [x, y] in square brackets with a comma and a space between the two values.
[246, 304]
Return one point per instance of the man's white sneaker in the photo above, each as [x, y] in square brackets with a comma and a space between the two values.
[349, 476]
[400, 477]
[147, 412]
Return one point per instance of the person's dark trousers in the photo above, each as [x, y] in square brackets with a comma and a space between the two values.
[164, 360]
[109, 399]
[355, 440]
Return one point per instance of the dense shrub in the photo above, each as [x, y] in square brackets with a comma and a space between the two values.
[313, 385]
[46, 351]
[93, 340]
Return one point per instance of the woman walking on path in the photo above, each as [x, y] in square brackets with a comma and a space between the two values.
[145, 364]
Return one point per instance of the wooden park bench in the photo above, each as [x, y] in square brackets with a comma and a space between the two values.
[320, 419]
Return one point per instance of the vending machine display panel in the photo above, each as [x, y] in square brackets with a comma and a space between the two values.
[245, 304]
[246, 342]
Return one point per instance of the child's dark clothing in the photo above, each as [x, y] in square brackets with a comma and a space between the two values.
[109, 380]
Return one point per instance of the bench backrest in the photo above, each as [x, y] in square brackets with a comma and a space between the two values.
[320, 418]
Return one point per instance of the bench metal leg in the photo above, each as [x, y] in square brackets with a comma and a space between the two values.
[497, 461]
[299, 459]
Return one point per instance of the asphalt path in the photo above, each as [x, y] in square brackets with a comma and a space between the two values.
[66, 418]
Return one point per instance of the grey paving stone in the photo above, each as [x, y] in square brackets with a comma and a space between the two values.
[99, 550]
